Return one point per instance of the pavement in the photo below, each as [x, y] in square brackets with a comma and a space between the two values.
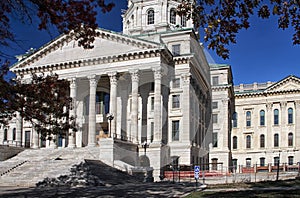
[156, 189]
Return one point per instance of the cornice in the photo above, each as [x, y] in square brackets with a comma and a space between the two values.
[151, 53]
[265, 94]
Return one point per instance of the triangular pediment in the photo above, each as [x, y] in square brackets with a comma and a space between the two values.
[66, 49]
[287, 84]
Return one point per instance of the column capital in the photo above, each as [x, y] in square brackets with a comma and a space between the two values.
[186, 77]
[93, 80]
[157, 73]
[269, 106]
[135, 75]
[73, 82]
[113, 77]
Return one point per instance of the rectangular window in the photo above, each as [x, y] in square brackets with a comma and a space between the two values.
[175, 130]
[215, 139]
[175, 101]
[176, 49]
[215, 80]
[152, 131]
[215, 105]
[215, 118]
[248, 162]
[176, 83]
[152, 103]
[291, 160]
[276, 161]
[214, 164]
[262, 161]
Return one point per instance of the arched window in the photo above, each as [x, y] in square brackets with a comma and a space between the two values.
[248, 118]
[234, 142]
[290, 116]
[248, 141]
[262, 141]
[173, 16]
[262, 118]
[183, 21]
[234, 119]
[276, 116]
[14, 134]
[150, 17]
[276, 140]
[290, 139]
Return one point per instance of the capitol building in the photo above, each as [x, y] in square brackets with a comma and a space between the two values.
[148, 97]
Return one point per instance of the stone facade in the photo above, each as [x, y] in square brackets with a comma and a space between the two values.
[152, 81]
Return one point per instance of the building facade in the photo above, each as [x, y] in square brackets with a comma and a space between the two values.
[143, 92]
[223, 105]
[266, 128]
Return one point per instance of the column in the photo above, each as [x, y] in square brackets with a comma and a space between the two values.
[35, 139]
[157, 138]
[185, 106]
[72, 112]
[134, 105]
[297, 124]
[92, 111]
[19, 129]
[113, 103]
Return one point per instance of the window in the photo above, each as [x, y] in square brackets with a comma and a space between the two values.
[248, 162]
[262, 118]
[290, 139]
[175, 130]
[183, 21]
[215, 80]
[215, 118]
[175, 101]
[262, 161]
[176, 49]
[234, 142]
[214, 165]
[262, 141]
[14, 134]
[276, 116]
[248, 118]
[290, 160]
[176, 83]
[290, 116]
[5, 135]
[215, 139]
[276, 140]
[248, 141]
[173, 16]
[234, 163]
[234, 119]
[152, 103]
[276, 161]
[215, 105]
[152, 131]
[150, 17]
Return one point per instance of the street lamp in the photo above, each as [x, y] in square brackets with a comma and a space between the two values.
[145, 145]
[277, 175]
[110, 117]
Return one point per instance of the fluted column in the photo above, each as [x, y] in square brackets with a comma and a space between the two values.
[92, 110]
[35, 139]
[113, 103]
[19, 129]
[157, 106]
[134, 105]
[72, 113]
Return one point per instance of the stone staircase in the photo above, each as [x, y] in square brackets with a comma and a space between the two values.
[32, 166]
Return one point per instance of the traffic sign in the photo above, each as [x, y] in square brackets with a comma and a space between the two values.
[196, 172]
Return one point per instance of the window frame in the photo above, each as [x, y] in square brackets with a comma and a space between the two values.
[172, 16]
[276, 116]
[234, 142]
[290, 115]
[290, 139]
[176, 49]
[248, 118]
[248, 142]
[175, 130]
[276, 140]
[150, 16]
[215, 139]
[262, 116]
[176, 101]
[262, 141]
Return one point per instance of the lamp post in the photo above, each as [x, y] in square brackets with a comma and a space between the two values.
[145, 145]
[277, 175]
[110, 117]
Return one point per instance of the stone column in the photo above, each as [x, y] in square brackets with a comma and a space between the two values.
[113, 103]
[19, 129]
[134, 105]
[297, 124]
[157, 136]
[92, 111]
[73, 93]
[269, 116]
[35, 139]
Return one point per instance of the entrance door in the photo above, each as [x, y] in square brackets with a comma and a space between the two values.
[27, 139]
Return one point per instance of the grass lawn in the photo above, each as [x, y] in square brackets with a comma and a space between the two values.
[259, 189]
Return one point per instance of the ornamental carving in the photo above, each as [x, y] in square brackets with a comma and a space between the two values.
[93, 80]
[113, 78]
[135, 76]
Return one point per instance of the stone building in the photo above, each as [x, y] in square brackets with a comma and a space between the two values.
[222, 110]
[266, 128]
[152, 81]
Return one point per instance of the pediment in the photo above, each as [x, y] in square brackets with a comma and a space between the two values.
[287, 84]
[65, 49]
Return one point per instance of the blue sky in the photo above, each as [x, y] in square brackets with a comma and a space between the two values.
[262, 53]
